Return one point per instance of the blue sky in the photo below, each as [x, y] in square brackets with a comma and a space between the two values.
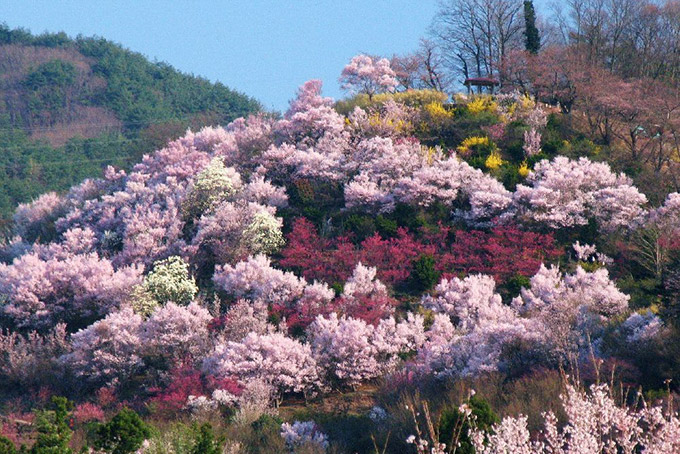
[264, 48]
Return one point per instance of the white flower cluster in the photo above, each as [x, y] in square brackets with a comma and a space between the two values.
[303, 432]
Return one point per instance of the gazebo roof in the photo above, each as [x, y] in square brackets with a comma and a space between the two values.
[482, 81]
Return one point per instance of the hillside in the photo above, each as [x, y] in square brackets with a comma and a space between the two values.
[69, 107]
[306, 284]
[407, 269]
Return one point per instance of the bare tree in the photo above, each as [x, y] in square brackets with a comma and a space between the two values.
[423, 69]
[456, 29]
[477, 35]
[406, 68]
[433, 68]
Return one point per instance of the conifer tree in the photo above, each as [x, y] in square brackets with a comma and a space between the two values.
[532, 40]
[54, 433]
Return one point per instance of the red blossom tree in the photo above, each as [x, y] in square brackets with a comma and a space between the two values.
[502, 252]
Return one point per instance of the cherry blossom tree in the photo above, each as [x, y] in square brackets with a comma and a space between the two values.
[483, 350]
[351, 351]
[570, 310]
[176, 333]
[558, 315]
[310, 116]
[532, 143]
[567, 193]
[470, 302]
[257, 280]
[287, 295]
[32, 360]
[370, 75]
[243, 317]
[283, 362]
[70, 288]
[236, 230]
[303, 433]
[35, 221]
[108, 351]
[595, 423]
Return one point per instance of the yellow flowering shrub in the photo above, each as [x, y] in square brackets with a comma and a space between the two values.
[415, 98]
[482, 104]
[437, 112]
[675, 155]
[523, 169]
[431, 153]
[379, 122]
[411, 98]
[494, 160]
[470, 142]
[527, 102]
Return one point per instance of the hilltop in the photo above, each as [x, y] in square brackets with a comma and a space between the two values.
[71, 106]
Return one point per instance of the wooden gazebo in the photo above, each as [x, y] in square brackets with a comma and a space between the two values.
[481, 82]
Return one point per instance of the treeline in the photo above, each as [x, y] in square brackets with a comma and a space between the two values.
[610, 66]
[71, 106]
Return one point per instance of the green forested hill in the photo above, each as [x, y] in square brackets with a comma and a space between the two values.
[68, 107]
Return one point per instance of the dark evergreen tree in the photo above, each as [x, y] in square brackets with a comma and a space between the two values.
[454, 426]
[123, 434]
[6, 446]
[54, 433]
[532, 40]
[424, 275]
[206, 442]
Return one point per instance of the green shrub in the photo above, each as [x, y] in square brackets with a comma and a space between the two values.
[123, 434]
[176, 437]
[263, 436]
[362, 226]
[52, 427]
[206, 443]
[6, 446]
[424, 275]
[454, 425]
[386, 227]
[514, 285]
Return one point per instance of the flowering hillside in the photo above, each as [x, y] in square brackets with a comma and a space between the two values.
[254, 274]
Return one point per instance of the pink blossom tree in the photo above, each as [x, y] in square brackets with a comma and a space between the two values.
[31, 360]
[567, 193]
[351, 351]
[176, 333]
[532, 143]
[570, 310]
[310, 116]
[73, 288]
[470, 302]
[236, 230]
[243, 317]
[370, 75]
[283, 362]
[595, 423]
[108, 351]
[256, 279]
[365, 297]
[35, 221]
